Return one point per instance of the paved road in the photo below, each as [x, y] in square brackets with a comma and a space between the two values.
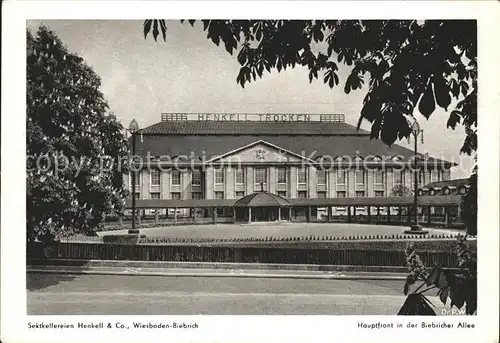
[153, 295]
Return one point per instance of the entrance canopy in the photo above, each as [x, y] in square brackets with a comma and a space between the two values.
[262, 199]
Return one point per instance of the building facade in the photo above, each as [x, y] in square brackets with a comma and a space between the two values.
[226, 159]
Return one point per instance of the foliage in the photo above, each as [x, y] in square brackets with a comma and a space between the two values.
[406, 65]
[457, 284]
[468, 206]
[71, 139]
[400, 191]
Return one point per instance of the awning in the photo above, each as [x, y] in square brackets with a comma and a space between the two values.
[424, 200]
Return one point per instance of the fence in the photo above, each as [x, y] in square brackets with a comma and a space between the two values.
[364, 253]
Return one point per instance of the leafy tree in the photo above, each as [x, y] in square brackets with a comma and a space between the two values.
[71, 141]
[400, 191]
[406, 65]
[457, 284]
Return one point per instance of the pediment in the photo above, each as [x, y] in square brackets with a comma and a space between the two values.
[259, 152]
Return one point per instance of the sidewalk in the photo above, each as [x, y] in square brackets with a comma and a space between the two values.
[214, 272]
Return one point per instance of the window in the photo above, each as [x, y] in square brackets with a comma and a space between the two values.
[379, 177]
[197, 195]
[302, 194]
[446, 191]
[398, 177]
[341, 194]
[322, 194]
[428, 176]
[439, 210]
[137, 180]
[260, 175]
[239, 176]
[196, 178]
[379, 193]
[155, 177]
[360, 194]
[341, 177]
[302, 176]
[155, 195]
[461, 190]
[240, 194]
[421, 178]
[440, 175]
[176, 178]
[219, 195]
[175, 196]
[360, 177]
[282, 194]
[321, 176]
[219, 176]
[281, 175]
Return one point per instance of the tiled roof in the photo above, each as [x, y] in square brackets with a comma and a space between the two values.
[193, 127]
[448, 183]
[312, 146]
[261, 199]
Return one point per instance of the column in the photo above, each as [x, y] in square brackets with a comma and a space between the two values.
[370, 175]
[229, 181]
[249, 180]
[234, 214]
[195, 210]
[145, 193]
[388, 214]
[428, 215]
[215, 215]
[271, 187]
[292, 182]
[175, 215]
[312, 182]
[369, 214]
[348, 214]
[249, 215]
[332, 183]
[329, 214]
[389, 181]
[209, 183]
[279, 214]
[165, 184]
[351, 189]
[157, 216]
[186, 179]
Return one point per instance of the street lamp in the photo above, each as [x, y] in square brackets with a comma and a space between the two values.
[416, 131]
[133, 129]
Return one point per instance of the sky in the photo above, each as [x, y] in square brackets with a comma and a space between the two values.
[190, 74]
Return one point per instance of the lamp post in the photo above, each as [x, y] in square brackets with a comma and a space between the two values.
[416, 131]
[133, 129]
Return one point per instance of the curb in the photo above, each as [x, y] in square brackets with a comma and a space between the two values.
[69, 263]
[218, 275]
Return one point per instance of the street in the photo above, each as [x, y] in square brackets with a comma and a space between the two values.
[58, 294]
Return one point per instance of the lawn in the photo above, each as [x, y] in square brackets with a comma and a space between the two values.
[275, 230]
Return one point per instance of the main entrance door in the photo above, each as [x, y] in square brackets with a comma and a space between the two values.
[264, 214]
